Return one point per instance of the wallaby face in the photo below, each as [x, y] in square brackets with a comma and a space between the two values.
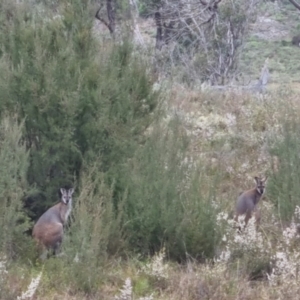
[66, 198]
[48, 230]
[248, 200]
[66, 195]
[260, 185]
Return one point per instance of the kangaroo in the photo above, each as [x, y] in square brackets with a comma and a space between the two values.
[247, 201]
[48, 230]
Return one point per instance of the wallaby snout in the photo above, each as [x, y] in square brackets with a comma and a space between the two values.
[66, 196]
[247, 201]
[260, 185]
[48, 230]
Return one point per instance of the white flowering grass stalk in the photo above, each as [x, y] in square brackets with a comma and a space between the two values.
[156, 267]
[147, 297]
[286, 259]
[3, 271]
[283, 255]
[290, 233]
[285, 268]
[246, 240]
[250, 238]
[125, 291]
[31, 288]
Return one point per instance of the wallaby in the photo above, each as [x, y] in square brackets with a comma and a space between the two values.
[296, 40]
[48, 230]
[247, 201]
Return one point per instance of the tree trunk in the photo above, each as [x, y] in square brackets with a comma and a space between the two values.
[111, 15]
[159, 31]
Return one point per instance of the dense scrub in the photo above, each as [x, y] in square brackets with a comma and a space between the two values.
[76, 111]
[88, 115]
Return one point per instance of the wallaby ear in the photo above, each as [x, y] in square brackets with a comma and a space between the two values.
[63, 191]
[71, 191]
[265, 179]
[256, 179]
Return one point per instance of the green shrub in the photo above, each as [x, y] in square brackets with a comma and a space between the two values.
[87, 107]
[169, 201]
[94, 232]
[283, 186]
[14, 160]
[80, 99]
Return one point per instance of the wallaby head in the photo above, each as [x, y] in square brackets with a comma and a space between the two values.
[48, 230]
[66, 200]
[260, 184]
[66, 195]
[248, 200]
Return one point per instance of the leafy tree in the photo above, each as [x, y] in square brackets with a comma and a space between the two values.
[14, 159]
[80, 99]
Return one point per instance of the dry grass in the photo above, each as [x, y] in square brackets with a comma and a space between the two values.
[229, 132]
[229, 135]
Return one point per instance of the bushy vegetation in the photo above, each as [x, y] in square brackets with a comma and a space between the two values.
[90, 117]
[169, 201]
[284, 185]
[153, 189]
[78, 102]
[14, 159]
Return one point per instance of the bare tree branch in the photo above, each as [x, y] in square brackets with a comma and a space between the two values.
[136, 31]
[196, 31]
[110, 24]
[295, 4]
[159, 33]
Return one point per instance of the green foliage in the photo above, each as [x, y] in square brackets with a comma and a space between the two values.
[168, 202]
[143, 9]
[255, 269]
[79, 101]
[142, 285]
[94, 233]
[96, 227]
[87, 107]
[283, 186]
[14, 160]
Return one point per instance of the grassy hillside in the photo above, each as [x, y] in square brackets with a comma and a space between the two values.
[157, 166]
[271, 37]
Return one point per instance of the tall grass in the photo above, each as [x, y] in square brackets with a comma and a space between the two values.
[144, 184]
[14, 159]
[284, 189]
[169, 200]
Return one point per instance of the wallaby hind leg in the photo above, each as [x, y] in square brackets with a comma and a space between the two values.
[44, 255]
[239, 219]
[257, 217]
[43, 252]
[57, 249]
[50, 252]
[248, 217]
[236, 217]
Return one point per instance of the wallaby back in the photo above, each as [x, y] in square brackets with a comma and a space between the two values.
[248, 200]
[48, 230]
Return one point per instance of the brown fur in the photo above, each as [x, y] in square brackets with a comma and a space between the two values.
[48, 230]
[48, 234]
[296, 40]
[248, 200]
